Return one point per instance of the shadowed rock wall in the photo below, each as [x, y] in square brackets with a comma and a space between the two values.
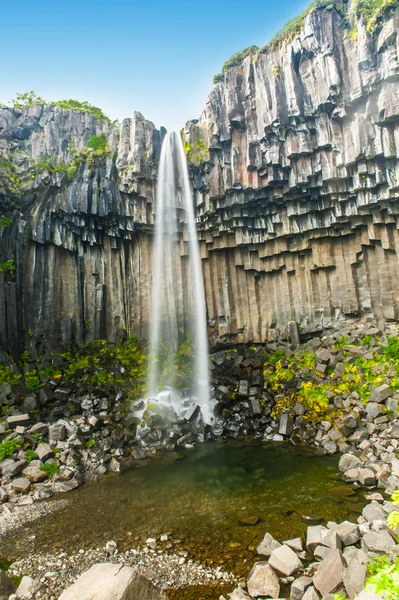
[296, 187]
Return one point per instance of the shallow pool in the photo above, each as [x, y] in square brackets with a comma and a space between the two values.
[202, 498]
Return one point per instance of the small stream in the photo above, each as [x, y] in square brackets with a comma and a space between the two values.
[201, 498]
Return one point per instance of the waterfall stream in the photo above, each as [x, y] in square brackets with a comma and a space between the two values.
[178, 317]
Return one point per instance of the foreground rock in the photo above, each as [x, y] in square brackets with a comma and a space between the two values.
[107, 581]
[6, 586]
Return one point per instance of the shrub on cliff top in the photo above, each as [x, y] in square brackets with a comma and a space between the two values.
[31, 98]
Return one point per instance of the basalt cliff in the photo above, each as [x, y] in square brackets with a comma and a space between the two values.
[295, 172]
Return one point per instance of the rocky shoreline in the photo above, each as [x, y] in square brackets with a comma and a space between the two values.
[261, 391]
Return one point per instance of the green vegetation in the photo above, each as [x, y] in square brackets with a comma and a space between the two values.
[30, 455]
[97, 142]
[8, 448]
[372, 12]
[31, 98]
[4, 222]
[8, 265]
[294, 379]
[50, 469]
[197, 153]
[10, 180]
[89, 444]
[7, 375]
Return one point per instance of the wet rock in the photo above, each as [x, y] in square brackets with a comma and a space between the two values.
[104, 581]
[267, 545]
[263, 581]
[329, 574]
[284, 560]
[251, 520]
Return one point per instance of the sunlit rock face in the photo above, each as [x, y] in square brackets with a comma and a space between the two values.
[296, 191]
[298, 202]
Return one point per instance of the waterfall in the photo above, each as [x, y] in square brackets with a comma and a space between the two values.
[178, 315]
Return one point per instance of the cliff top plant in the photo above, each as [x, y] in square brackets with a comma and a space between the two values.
[372, 12]
[22, 100]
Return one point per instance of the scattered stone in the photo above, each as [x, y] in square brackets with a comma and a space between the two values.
[263, 581]
[6, 586]
[299, 586]
[44, 452]
[284, 560]
[28, 586]
[379, 542]
[251, 520]
[348, 532]
[16, 420]
[354, 577]
[267, 545]
[348, 461]
[20, 485]
[119, 582]
[329, 573]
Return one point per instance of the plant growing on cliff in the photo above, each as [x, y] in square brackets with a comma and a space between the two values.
[8, 265]
[24, 99]
[372, 12]
[50, 469]
[27, 99]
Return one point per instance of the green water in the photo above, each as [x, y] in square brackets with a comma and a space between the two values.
[199, 498]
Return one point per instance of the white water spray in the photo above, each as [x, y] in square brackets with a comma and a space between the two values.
[178, 301]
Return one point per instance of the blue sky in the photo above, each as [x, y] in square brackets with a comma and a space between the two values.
[158, 57]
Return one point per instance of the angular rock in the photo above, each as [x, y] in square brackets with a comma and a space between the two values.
[34, 474]
[329, 574]
[348, 532]
[348, 461]
[380, 393]
[315, 535]
[286, 424]
[6, 586]
[311, 594]
[299, 586]
[263, 581]
[295, 544]
[20, 485]
[284, 560]
[28, 586]
[373, 512]
[57, 432]
[44, 452]
[105, 581]
[16, 420]
[366, 477]
[267, 545]
[380, 542]
[354, 577]
[239, 594]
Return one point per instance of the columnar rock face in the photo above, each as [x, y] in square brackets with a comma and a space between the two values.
[296, 187]
[80, 243]
[298, 202]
